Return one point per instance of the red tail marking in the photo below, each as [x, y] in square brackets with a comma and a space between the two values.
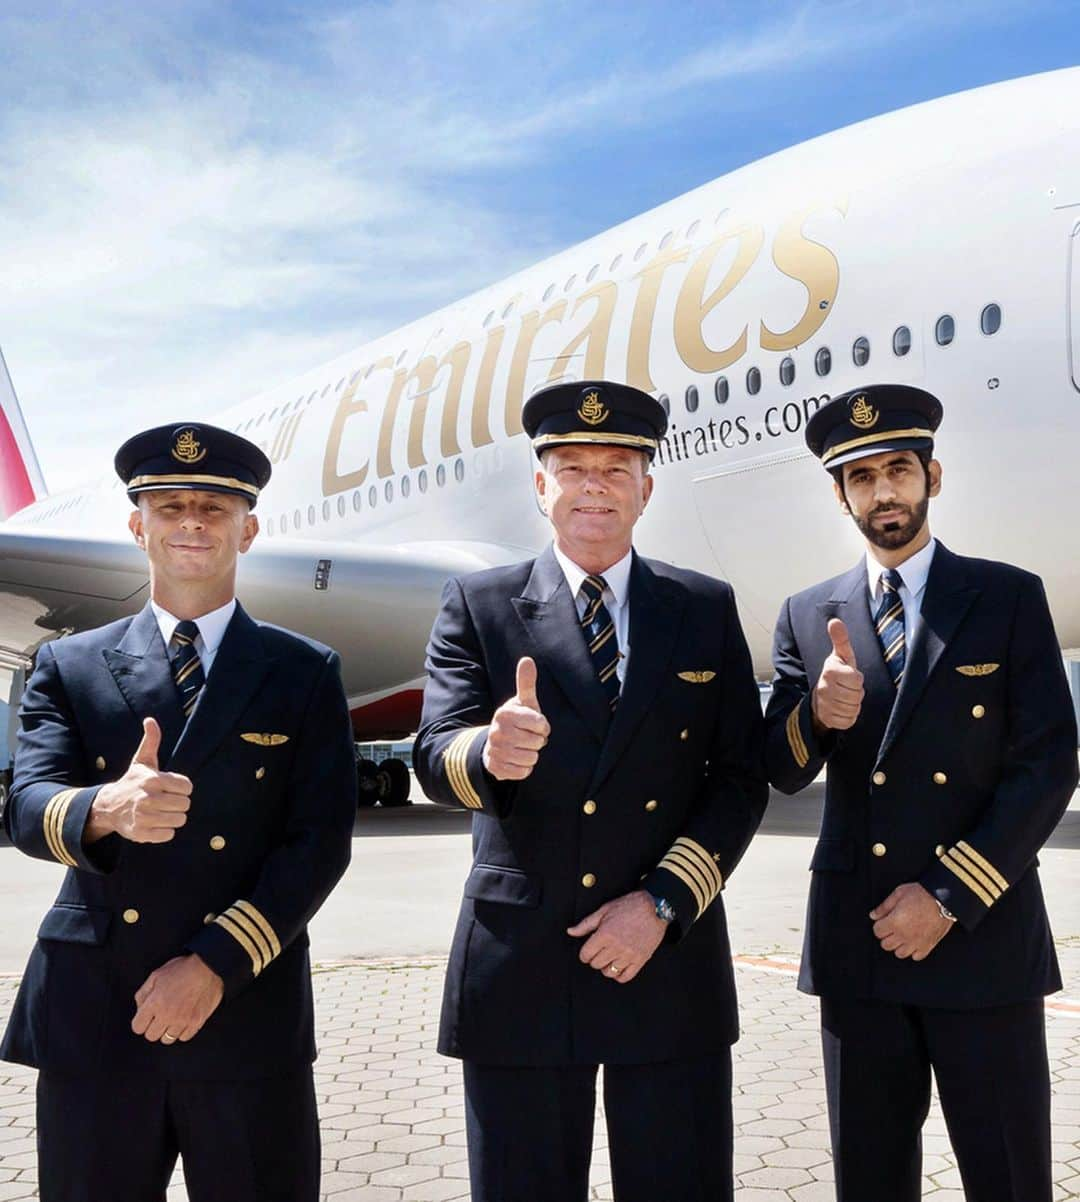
[16, 491]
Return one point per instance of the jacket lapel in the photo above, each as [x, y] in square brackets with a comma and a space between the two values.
[850, 602]
[239, 667]
[548, 613]
[656, 609]
[947, 599]
[140, 667]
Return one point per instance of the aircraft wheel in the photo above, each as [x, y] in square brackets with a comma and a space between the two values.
[397, 772]
[367, 783]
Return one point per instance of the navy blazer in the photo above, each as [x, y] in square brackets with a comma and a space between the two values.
[269, 751]
[666, 795]
[955, 782]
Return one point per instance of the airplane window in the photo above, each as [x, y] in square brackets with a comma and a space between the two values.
[372, 497]
[421, 480]
[487, 320]
[549, 292]
[296, 519]
[405, 486]
[284, 523]
[666, 239]
[753, 381]
[665, 404]
[356, 502]
[901, 341]
[401, 358]
[459, 470]
[311, 515]
[945, 330]
[326, 511]
[440, 475]
[569, 283]
[269, 528]
[787, 370]
[693, 229]
[339, 384]
[640, 251]
[273, 414]
[990, 319]
[352, 378]
[592, 273]
[860, 352]
[312, 397]
[823, 361]
[341, 506]
[508, 310]
[615, 262]
[259, 421]
[388, 490]
[691, 399]
[721, 215]
[722, 390]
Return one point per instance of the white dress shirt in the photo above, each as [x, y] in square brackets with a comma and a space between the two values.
[211, 626]
[913, 573]
[616, 598]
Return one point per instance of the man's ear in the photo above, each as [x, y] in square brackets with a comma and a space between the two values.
[934, 468]
[540, 481]
[135, 525]
[251, 528]
[841, 499]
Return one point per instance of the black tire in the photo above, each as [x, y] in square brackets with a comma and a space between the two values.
[367, 783]
[397, 772]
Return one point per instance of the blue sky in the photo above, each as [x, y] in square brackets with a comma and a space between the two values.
[200, 200]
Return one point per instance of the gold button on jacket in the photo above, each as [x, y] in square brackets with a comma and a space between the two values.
[940, 778]
[978, 711]
[589, 807]
[588, 880]
[879, 778]
[879, 849]
[131, 916]
[217, 842]
[651, 804]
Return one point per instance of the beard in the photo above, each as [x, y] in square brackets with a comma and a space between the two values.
[897, 533]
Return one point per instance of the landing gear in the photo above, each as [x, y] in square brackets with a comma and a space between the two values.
[387, 783]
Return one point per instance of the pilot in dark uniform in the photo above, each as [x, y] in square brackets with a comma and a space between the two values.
[193, 771]
[932, 688]
[598, 713]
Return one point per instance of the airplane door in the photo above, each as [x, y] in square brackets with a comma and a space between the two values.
[774, 527]
[1073, 306]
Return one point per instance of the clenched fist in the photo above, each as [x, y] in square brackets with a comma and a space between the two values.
[518, 731]
[838, 695]
[144, 805]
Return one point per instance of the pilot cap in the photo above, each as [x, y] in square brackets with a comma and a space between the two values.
[192, 456]
[594, 413]
[871, 421]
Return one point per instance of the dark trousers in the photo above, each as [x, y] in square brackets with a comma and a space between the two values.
[993, 1080]
[669, 1131]
[116, 1138]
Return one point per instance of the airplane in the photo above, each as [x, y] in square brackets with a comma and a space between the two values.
[937, 245]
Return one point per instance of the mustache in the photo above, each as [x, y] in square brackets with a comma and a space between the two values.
[896, 507]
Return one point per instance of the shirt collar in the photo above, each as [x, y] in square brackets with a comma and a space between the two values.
[212, 626]
[913, 571]
[617, 576]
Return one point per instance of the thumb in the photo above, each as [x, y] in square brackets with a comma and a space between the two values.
[147, 752]
[588, 924]
[886, 907]
[526, 683]
[841, 642]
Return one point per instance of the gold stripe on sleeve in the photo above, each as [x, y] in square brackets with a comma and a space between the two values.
[984, 879]
[455, 760]
[703, 859]
[53, 825]
[960, 871]
[983, 863]
[263, 923]
[689, 881]
[228, 923]
[796, 742]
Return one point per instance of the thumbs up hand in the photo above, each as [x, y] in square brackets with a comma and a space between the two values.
[518, 731]
[145, 805]
[838, 696]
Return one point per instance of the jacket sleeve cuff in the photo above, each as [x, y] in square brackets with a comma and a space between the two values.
[470, 782]
[63, 821]
[965, 882]
[237, 945]
[803, 742]
[688, 878]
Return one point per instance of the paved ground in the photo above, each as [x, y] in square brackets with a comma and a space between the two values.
[391, 1108]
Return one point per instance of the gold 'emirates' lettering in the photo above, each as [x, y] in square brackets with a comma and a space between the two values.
[693, 307]
[796, 256]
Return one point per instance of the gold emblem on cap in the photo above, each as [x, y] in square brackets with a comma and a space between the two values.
[187, 448]
[863, 414]
[593, 411]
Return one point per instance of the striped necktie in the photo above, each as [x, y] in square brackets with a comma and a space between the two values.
[889, 624]
[599, 631]
[187, 668]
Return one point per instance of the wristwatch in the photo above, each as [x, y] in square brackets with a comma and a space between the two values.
[665, 911]
[945, 913]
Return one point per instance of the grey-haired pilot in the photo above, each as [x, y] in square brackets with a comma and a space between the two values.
[930, 687]
[597, 713]
[192, 770]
